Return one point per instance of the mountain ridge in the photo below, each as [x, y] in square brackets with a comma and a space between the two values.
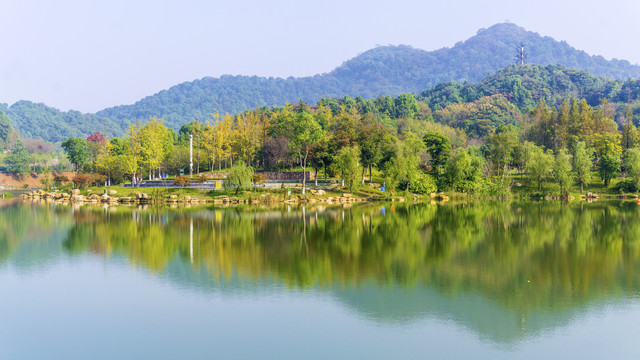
[383, 70]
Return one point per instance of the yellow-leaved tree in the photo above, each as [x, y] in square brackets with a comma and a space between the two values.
[222, 139]
[155, 143]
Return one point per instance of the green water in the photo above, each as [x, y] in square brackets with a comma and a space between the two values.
[481, 280]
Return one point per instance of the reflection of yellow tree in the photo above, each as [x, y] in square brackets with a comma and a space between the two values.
[522, 255]
[25, 223]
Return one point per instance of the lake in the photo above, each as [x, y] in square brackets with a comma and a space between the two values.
[483, 280]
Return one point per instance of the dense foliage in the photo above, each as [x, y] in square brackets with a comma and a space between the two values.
[477, 147]
[39, 121]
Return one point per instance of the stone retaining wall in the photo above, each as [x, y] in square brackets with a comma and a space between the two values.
[285, 175]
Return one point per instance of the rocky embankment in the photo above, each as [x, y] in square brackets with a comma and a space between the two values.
[112, 198]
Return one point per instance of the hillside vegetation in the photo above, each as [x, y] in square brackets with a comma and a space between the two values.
[386, 70]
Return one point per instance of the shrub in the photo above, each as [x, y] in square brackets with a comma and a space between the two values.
[182, 181]
[626, 186]
[201, 178]
[423, 184]
[85, 180]
[258, 179]
[60, 180]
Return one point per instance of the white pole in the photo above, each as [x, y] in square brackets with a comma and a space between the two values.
[191, 155]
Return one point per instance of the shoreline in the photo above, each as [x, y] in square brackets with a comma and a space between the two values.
[159, 196]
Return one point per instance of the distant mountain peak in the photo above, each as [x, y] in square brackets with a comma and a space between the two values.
[383, 70]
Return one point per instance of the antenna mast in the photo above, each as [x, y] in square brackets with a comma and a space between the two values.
[522, 55]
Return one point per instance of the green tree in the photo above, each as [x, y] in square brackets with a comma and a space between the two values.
[502, 146]
[119, 146]
[77, 151]
[629, 131]
[632, 164]
[439, 149]
[562, 170]
[609, 151]
[17, 162]
[539, 163]
[582, 164]
[462, 171]
[306, 133]
[240, 176]
[370, 136]
[404, 168]
[347, 162]
[5, 129]
[608, 167]
[406, 106]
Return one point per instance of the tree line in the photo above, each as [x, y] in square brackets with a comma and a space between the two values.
[395, 141]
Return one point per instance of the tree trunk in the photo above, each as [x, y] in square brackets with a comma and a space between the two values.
[370, 173]
[316, 177]
[304, 175]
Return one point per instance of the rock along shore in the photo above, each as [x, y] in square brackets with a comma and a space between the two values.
[112, 198]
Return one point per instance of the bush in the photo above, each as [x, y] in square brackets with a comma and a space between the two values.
[182, 181]
[496, 186]
[39, 169]
[258, 179]
[423, 184]
[60, 180]
[201, 178]
[626, 186]
[85, 180]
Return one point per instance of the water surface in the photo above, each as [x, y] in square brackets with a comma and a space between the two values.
[480, 280]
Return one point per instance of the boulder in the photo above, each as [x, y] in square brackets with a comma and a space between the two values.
[321, 192]
[75, 192]
[112, 192]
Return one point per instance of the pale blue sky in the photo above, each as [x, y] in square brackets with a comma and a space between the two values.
[88, 55]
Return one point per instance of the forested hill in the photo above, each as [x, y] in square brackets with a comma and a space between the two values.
[386, 70]
[39, 121]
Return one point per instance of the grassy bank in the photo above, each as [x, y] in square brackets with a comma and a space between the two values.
[5, 195]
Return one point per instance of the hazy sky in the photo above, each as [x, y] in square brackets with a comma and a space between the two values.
[88, 55]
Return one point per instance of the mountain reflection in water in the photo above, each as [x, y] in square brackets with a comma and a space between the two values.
[506, 271]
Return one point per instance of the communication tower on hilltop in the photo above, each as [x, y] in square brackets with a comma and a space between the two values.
[521, 57]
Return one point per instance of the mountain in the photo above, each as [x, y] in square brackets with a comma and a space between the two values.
[385, 70]
[39, 121]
